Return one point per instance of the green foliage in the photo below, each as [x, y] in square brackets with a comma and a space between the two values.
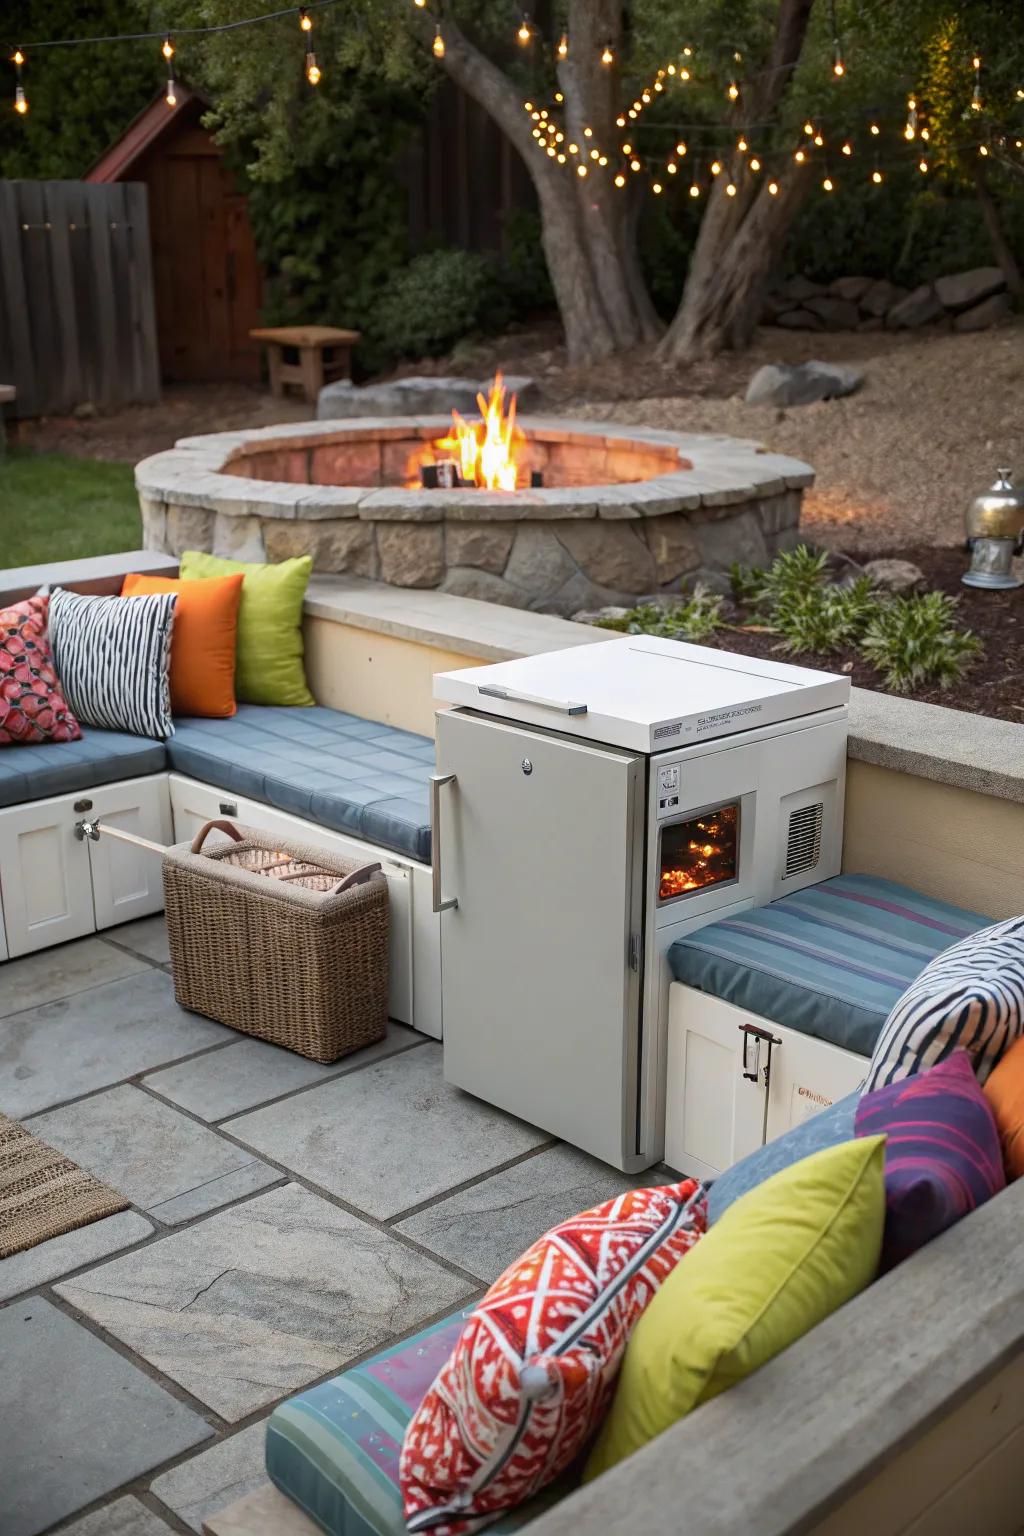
[523, 271]
[74, 507]
[695, 619]
[439, 298]
[914, 641]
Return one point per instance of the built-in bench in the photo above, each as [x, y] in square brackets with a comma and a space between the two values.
[774, 1012]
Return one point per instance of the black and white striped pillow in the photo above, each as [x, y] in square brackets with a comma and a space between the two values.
[112, 656]
[972, 995]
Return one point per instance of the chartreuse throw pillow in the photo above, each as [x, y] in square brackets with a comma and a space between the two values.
[780, 1260]
[268, 662]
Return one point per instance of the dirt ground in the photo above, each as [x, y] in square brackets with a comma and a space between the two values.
[897, 463]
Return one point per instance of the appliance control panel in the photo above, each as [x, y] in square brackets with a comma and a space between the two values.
[668, 788]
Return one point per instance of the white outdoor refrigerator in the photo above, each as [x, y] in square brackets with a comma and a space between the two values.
[590, 806]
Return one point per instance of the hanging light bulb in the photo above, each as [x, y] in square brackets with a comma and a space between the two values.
[602, 160]
[847, 148]
[687, 53]
[595, 154]
[620, 180]
[741, 145]
[922, 166]
[20, 99]
[733, 91]
[976, 98]
[525, 31]
[800, 157]
[681, 148]
[313, 72]
[910, 131]
[170, 94]
[607, 56]
[559, 97]
[809, 128]
[716, 166]
[819, 140]
[773, 188]
[754, 163]
[627, 149]
[305, 19]
[694, 189]
[671, 69]
[656, 187]
[645, 97]
[658, 85]
[574, 149]
[876, 177]
[875, 130]
[527, 106]
[563, 46]
[838, 67]
[560, 159]
[634, 165]
[983, 150]
[672, 168]
[828, 184]
[620, 122]
[684, 74]
[167, 48]
[581, 170]
[925, 135]
[730, 190]
[438, 44]
[588, 133]
[419, 3]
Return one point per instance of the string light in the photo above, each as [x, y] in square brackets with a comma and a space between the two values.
[755, 164]
[773, 188]
[313, 71]
[525, 30]
[620, 180]
[819, 140]
[657, 187]
[716, 166]
[634, 165]
[741, 145]
[847, 148]
[620, 121]
[170, 94]
[168, 48]
[734, 91]
[730, 190]
[838, 67]
[983, 149]
[809, 128]
[828, 184]
[922, 166]
[305, 19]
[627, 149]
[607, 56]
[800, 157]
[581, 170]
[910, 131]
[681, 148]
[419, 3]
[672, 168]
[876, 176]
[563, 46]
[976, 97]
[438, 44]
[694, 189]
[20, 99]
[875, 130]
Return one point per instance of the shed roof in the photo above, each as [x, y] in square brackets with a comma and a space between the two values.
[151, 125]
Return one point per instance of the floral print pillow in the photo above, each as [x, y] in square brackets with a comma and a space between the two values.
[32, 706]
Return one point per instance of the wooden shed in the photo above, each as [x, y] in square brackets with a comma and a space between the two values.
[206, 275]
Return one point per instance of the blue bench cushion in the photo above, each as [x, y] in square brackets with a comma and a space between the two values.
[62, 767]
[334, 1449]
[334, 769]
[829, 961]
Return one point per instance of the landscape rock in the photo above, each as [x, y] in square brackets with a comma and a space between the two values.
[737, 541]
[539, 563]
[964, 289]
[467, 581]
[841, 570]
[872, 323]
[784, 384]
[335, 546]
[487, 548]
[880, 297]
[850, 288]
[896, 575]
[595, 615]
[610, 553]
[989, 312]
[671, 542]
[421, 395]
[800, 320]
[799, 288]
[920, 307]
[838, 314]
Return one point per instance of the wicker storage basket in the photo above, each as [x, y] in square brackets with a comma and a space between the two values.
[279, 940]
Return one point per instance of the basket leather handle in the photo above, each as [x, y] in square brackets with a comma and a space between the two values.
[355, 878]
[215, 826]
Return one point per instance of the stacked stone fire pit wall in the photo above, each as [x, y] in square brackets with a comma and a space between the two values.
[624, 512]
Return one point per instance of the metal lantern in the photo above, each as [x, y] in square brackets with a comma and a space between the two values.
[995, 533]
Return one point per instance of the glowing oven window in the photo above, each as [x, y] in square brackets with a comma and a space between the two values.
[700, 852]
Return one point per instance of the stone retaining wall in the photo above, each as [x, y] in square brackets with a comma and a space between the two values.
[664, 512]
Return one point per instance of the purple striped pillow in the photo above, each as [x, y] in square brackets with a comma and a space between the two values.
[942, 1156]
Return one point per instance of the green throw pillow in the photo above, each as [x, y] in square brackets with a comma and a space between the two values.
[779, 1260]
[268, 659]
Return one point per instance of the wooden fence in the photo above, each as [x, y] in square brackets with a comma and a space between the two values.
[77, 319]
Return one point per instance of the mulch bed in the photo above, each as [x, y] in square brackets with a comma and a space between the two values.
[995, 684]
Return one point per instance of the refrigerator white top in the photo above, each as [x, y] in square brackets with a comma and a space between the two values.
[643, 693]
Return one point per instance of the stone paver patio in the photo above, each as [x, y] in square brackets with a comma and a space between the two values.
[286, 1220]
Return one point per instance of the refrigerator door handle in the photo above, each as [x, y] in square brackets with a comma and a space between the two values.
[562, 706]
[437, 783]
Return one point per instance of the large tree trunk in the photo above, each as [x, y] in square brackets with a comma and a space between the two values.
[1001, 247]
[741, 237]
[588, 231]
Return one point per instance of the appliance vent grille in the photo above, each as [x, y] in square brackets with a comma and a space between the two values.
[803, 846]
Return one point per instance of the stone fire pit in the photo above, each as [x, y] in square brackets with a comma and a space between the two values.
[623, 512]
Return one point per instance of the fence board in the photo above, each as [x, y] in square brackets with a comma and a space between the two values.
[76, 295]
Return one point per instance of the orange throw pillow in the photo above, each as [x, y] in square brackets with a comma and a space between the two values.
[1004, 1089]
[202, 641]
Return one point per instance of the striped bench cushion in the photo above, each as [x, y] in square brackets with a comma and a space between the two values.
[334, 1449]
[830, 961]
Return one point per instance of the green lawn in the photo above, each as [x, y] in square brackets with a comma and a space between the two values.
[55, 507]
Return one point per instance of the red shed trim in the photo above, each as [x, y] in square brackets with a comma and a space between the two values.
[147, 129]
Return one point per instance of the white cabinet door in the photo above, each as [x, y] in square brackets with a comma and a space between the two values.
[713, 1114]
[127, 882]
[807, 1076]
[44, 875]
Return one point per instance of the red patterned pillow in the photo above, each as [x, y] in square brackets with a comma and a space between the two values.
[32, 707]
[534, 1368]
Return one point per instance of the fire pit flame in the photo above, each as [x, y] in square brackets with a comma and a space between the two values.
[487, 452]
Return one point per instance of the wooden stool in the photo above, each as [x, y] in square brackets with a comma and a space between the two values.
[324, 353]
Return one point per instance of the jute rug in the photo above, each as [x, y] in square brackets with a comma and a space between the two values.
[43, 1193]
